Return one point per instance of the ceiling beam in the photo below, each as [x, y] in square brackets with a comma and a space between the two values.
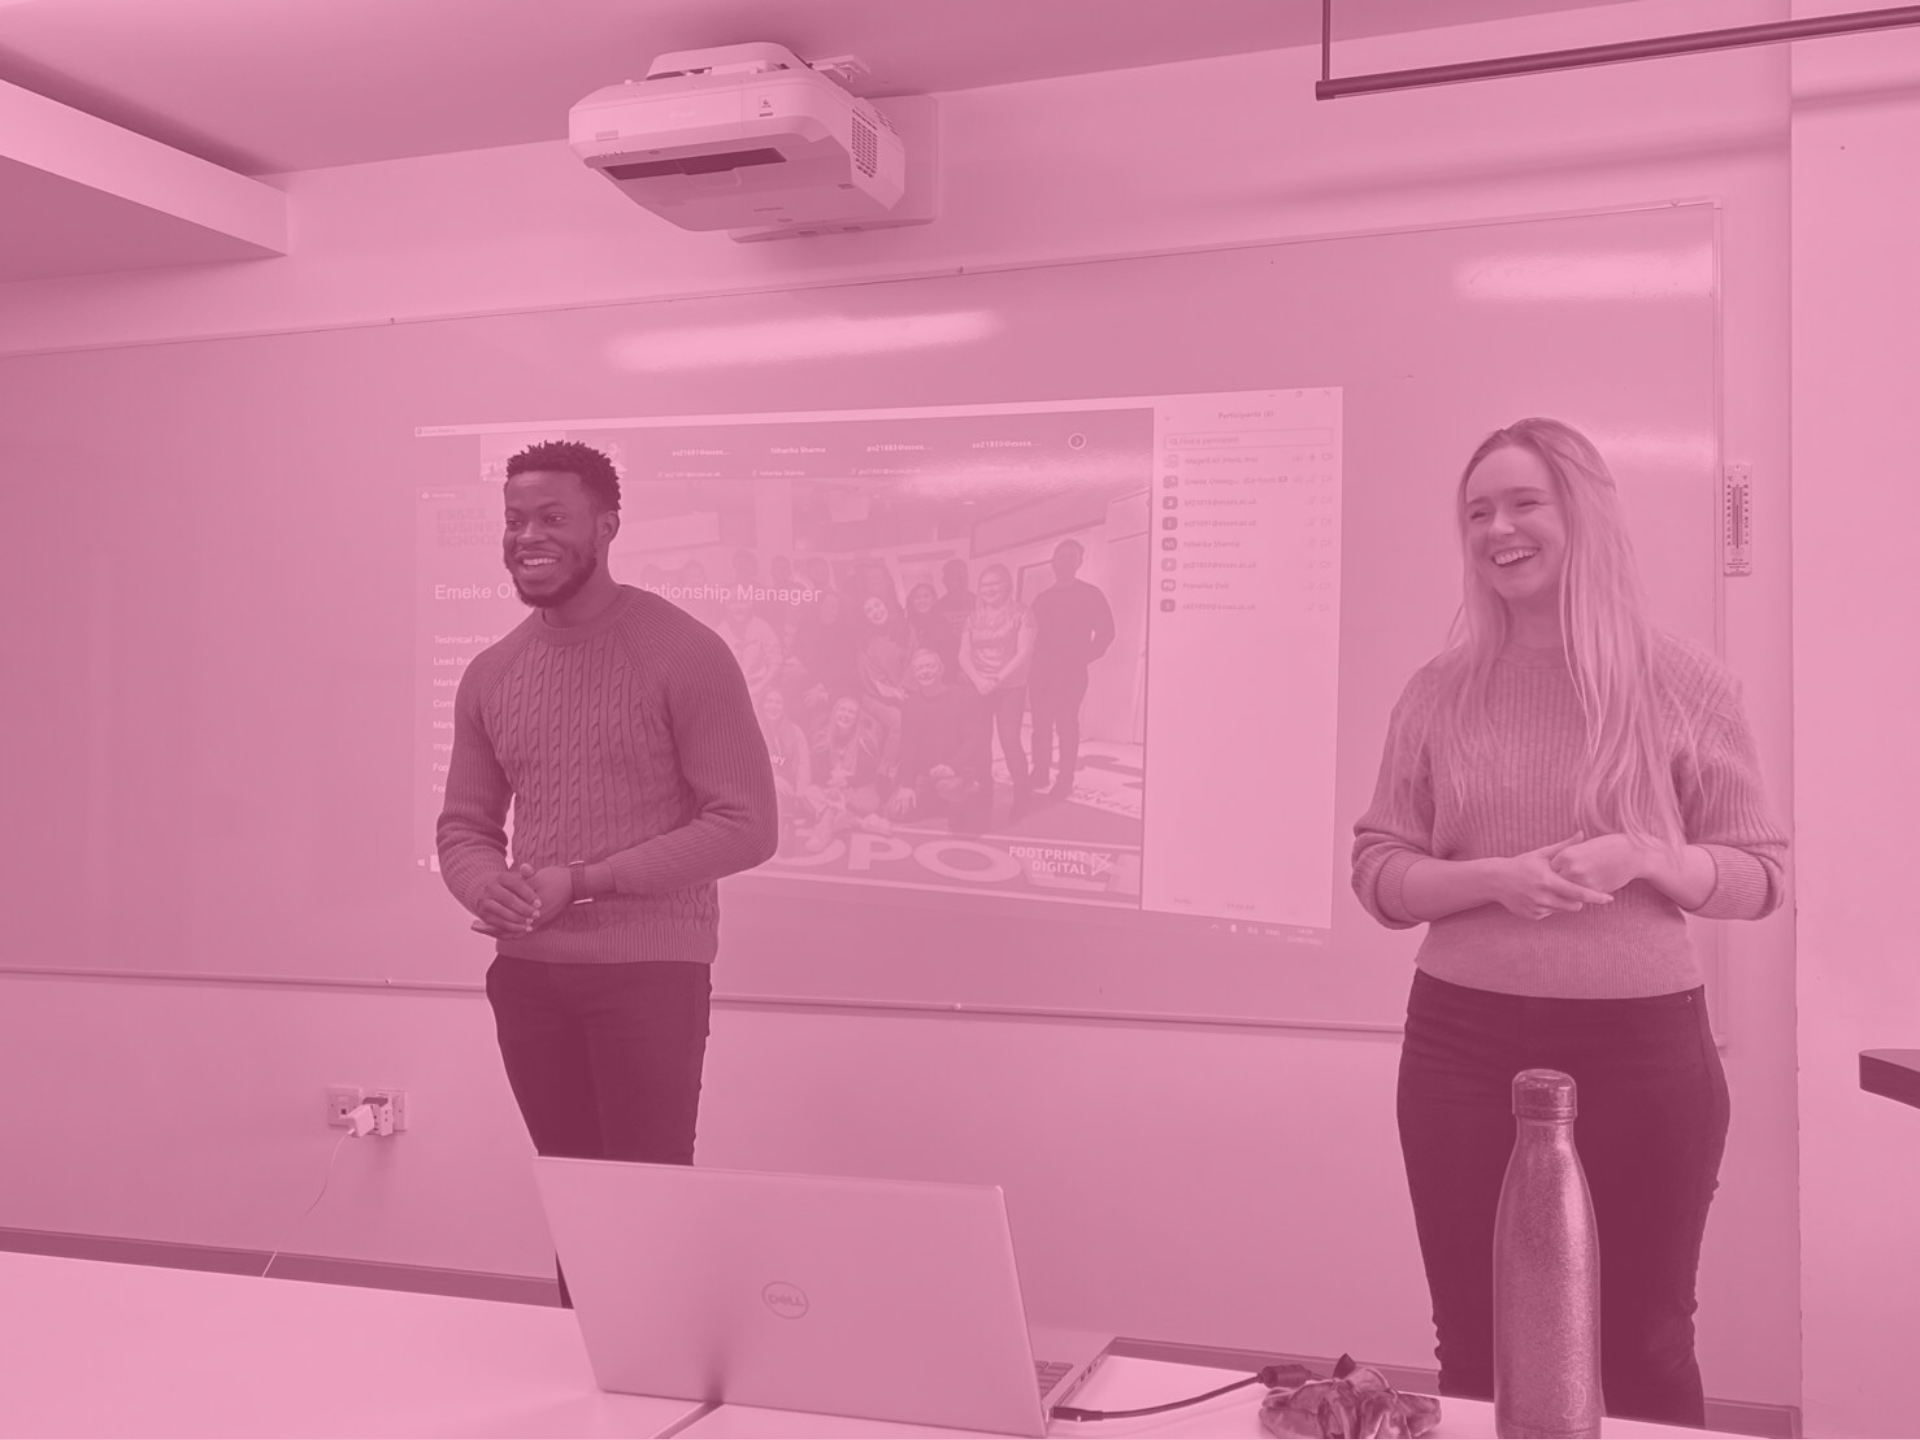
[82, 195]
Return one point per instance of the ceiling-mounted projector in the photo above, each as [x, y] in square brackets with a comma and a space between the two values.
[744, 138]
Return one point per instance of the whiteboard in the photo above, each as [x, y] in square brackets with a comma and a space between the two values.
[227, 726]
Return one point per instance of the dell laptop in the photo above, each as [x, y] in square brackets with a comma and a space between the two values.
[876, 1299]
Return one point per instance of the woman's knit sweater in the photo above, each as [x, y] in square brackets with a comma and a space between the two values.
[1523, 798]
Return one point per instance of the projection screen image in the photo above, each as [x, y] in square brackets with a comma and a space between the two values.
[1079, 654]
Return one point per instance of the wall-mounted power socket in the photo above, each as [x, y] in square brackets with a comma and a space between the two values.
[343, 1100]
[398, 1098]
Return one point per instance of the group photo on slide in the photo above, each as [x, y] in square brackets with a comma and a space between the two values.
[894, 703]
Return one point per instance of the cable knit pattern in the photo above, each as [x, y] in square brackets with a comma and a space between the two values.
[629, 739]
[1523, 799]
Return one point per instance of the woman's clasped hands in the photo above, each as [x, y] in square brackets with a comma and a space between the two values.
[1568, 875]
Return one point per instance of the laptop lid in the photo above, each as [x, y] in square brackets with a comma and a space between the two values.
[880, 1299]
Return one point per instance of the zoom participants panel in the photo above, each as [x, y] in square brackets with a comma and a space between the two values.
[1243, 657]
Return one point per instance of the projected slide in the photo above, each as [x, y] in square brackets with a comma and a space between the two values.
[1081, 653]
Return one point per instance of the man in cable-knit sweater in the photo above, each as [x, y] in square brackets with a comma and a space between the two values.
[620, 731]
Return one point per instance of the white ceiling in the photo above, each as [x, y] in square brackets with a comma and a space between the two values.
[266, 86]
[129, 128]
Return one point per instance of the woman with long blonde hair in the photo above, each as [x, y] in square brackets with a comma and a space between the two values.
[1561, 786]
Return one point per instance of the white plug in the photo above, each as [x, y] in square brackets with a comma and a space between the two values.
[360, 1120]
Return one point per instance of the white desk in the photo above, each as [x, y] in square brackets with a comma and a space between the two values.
[1124, 1383]
[97, 1349]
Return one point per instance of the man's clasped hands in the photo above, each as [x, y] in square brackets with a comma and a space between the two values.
[517, 902]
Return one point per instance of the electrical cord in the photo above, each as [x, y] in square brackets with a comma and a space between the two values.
[1269, 1375]
[354, 1132]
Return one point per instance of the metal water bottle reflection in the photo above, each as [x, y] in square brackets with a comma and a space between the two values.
[1546, 1273]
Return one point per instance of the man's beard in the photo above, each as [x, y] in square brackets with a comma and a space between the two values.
[563, 592]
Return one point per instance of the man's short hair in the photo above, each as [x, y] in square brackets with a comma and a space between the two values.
[570, 457]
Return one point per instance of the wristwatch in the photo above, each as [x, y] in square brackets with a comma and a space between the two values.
[577, 871]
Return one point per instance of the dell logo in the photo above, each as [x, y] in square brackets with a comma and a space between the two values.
[789, 1302]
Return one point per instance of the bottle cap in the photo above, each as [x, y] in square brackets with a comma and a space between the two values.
[1544, 1095]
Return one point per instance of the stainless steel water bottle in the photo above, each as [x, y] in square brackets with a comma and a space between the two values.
[1546, 1273]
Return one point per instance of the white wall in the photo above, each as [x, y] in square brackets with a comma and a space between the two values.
[1184, 1196]
[1856, 506]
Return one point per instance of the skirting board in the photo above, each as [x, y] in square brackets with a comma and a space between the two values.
[1733, 1416]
